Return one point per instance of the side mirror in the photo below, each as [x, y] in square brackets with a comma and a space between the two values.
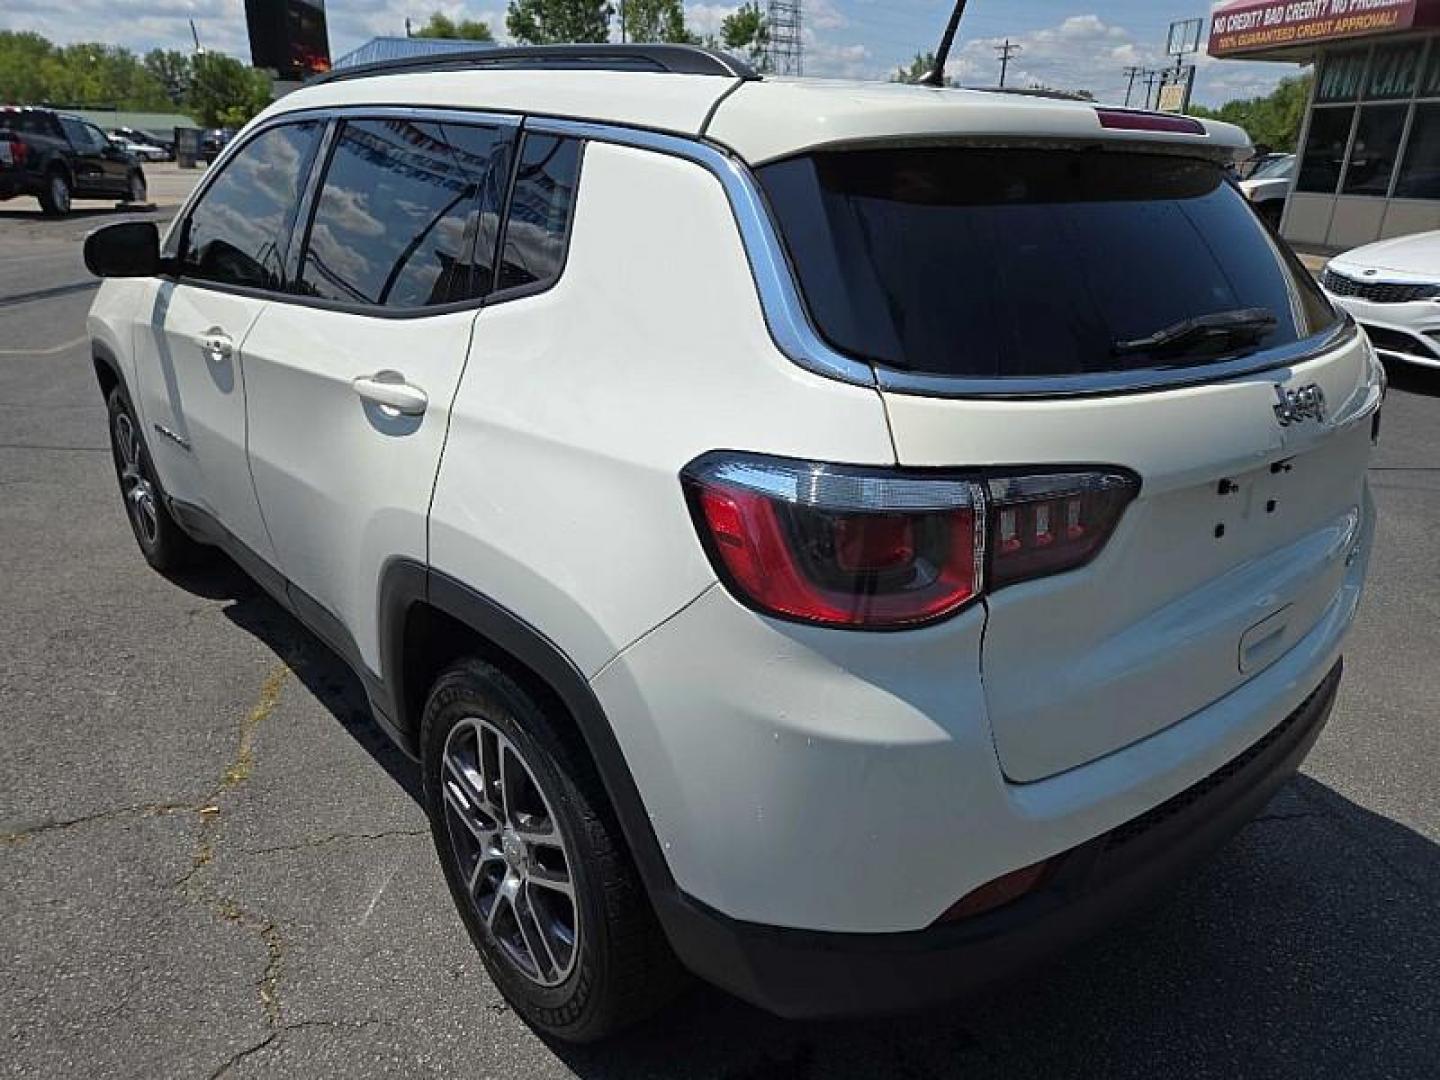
[124, 249]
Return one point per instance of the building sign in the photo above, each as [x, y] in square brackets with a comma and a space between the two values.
[1275, 24]
[288, 37]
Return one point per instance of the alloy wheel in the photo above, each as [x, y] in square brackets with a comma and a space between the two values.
[508, 844]
[138, 490]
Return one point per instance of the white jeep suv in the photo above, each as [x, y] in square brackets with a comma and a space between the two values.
[844, 540]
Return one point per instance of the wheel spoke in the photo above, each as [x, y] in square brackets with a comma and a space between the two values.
[533, 933]
[517, 867]
[554, 882]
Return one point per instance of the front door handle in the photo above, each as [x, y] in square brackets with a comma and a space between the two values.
[389, 390]
[216, 344]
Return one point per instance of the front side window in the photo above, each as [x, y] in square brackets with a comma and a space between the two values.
[407, 214]
[541, 207]
[76, 134]
[237, 233]
[1033, 263]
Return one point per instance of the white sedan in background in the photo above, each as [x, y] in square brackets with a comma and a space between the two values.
[1269, 186]
[143, 151]
[1393, 289]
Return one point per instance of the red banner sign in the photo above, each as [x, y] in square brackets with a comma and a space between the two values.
[1276, 24]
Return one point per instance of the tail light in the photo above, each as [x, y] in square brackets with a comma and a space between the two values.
[870, 548]
[19, 150]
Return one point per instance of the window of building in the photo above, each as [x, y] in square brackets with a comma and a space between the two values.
[1375, 149]
[238, 232]
[1323, 158]
[1394, 70]
[1420, 171]
[538, 225]
[400, 210]
[1342, 76]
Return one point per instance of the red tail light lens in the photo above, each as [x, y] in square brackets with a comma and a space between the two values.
[869, 548]
[1043, 524]
[835, 545]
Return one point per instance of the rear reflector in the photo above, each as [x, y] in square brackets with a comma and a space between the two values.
[1131, 120]
[997, 893]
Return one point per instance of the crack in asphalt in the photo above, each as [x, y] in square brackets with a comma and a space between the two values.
[282, 1030]
[335, 838]
[226, 907]
[15, 836]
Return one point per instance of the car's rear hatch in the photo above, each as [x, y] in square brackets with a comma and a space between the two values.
[1005, 296]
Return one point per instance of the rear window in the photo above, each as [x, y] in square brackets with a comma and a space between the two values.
[1029, 263]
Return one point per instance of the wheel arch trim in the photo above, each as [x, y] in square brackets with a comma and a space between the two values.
[405, 582]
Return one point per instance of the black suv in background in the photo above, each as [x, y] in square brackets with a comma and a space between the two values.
[56, 157]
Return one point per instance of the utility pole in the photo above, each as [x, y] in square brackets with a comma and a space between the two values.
[1131, 73]
[407, 26]
[1148, 78]
[1006, 51]
[196, 35]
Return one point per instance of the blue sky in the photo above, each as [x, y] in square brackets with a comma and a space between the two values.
[1071, 44]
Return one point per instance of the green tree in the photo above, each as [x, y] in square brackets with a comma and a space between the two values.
[441, 26]
[171, 69]
[917, 69]
[1273, 119]
[226, 93]
[549, 22]
[656, 20]
[745, 31]
[22, 58]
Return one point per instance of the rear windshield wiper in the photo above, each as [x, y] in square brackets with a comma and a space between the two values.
[1243, 324]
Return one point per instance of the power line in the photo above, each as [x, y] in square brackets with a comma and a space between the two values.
[1006, 51]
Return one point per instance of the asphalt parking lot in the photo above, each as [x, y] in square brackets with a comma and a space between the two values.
[211, 864]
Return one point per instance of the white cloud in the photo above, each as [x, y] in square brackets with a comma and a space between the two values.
[844, 38]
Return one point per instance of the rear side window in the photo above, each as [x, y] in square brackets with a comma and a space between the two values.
[400, 211]
[237, 233]
[1029, 263]
[27, 123]
[541, 207]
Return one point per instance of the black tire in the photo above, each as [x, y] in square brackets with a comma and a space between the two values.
[623, 968]
[1271, 213]
[164, 544]
[138, 190]
[56, 194]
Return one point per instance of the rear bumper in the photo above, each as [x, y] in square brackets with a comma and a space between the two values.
[801, 973]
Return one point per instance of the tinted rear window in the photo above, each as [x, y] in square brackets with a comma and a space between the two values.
[1027, 263]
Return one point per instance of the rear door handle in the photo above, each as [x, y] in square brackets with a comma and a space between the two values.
[390, 390]
[216, 344]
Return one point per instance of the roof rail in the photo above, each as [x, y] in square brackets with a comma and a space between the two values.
[671, 59]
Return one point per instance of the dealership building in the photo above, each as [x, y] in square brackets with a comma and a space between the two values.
[1370, 143]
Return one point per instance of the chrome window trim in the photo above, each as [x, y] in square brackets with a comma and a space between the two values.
[784, 310]
[792, 330]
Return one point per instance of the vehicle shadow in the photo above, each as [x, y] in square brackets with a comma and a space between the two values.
[36, 214]
[323, 673]
[1306, 948]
